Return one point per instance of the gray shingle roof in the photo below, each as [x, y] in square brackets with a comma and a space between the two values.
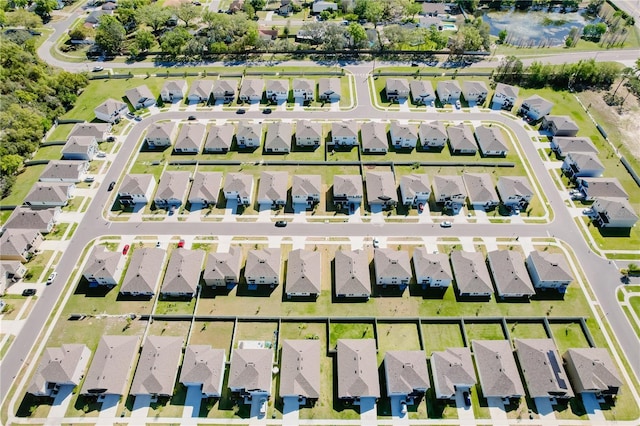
[507, 90]
[97, 130]
[109, 368]
[514, 186]
[143, 271]
[248, 130]
[433, 129]
[238, 182]
[475, 86]
[273, 186]
[480, 188]
[173, 185]
[206, 185]
[135, 184]
[183, 271]
[305, 84]
[304, 185]
[509, 273]
[574, 144]
[110, 106]
[329, 86]
[392, 263]
[537, 102]
[562, 122]
[421, 88]
[446, 87]
[63, 169]
[406, 371]
[158, 366]
[278, 136]
[304, 272]
[345, 128]
[139, 94]
[616, 208]
[191, 136]
[225, 87]
[542, 368]
[551, 266]
[397, 85]
[604, 187]
[374, 135]
[263, 263]
[490, 139]
[164, 130]
[381, 186]
[452, 367]
[57, 365]
[220, 137]
[15, 241]
[251, 369]
[25, 218]
[499, 376]
[221, 265]
[201, 88]
[174, 86]
[348, 184]
[277, 85]
[450, 185]
[585, 161]
[308, 129]
[78, 144]
[461, 138]
[300, 368]
[352, 272]
[48, 193]
[591, 369]
[102, 263]
[205, 365]
[252, 87]
[435, 265]
[471, 272]
[357, 368]
[405, 131]
[415, 183]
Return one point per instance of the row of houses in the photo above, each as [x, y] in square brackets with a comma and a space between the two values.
[513, 276]
[382, 190]
[250, 375]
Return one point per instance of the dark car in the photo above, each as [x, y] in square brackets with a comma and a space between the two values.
[240, 111]
[29, 292]
[111, 139]
[266, 111]
[191, 117]
[281, 223]
[111, 186]
[467, 399]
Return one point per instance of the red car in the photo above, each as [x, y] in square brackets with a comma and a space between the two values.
[125, 250]
[181, 244]
[420, 207]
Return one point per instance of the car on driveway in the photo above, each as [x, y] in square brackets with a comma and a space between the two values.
[29, 292]
[446, 224]
[403, 407]
[281, 223]
[467, 398]
[376, 243]
[52, 278]
[181, 244]
[420, 207]
[89, 179]
[588, 212]
[101, 154]
[125, 249]
[138, 118]
[458, 105]
[263, 406]
[131, 115]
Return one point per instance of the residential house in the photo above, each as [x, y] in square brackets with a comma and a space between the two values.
[344, 133]
[173, 90]
[300, 370]
[203, 367]
[433, 135]
[278, 138]
[308, 133]
[403, 135]
[239, 187]
[433, 9]
[140, 97]
[431, 21]
[592, 370]
[329, 89]
[319, 6]
[80, 148]
[143, 272]
[251, 90]
[392, 267]
[97, 130]
[190, 138]
[161, 135]
[136, 189]
[491, 141]
[448, 91]
[171, 189]
[224, 90]
[432, 269]
[61, 366]
[263, 268]
[549, 270]
[614, 213]
[11, 271]
[461, 140]
[304, 88]
[562, 145]
[111, 366]
[273, 188]
[304, 273]
[93, 18]
[396, 89]
[415, 189]
[285, 7]
[510, 274]
[449, 190]
[475, 91]
[223, 269]
[381, 189]
[497, 369]
[265, 34]
[347, 189]
[45, 195]
[200, 91]
[205, 188]
[471, 273]
[236, 6]
[219, 138]
[481, 191]
[593, 188]
[514, 191]
[452, 372]
[357, 370]
[157, 368]
[559, 125]
[277, 89]
[250, 372]
[103, 267]
[248, 135]
[422, 92]
[535, 107]
[374, 137]
[19, 244]
[577, 165]
[41, 220]
[542, 369]
[505, 96]
[182, 276]
[110, 110]
[306, 189]
[64, 171]
[351, 278]
[406, 375]
[106, 6]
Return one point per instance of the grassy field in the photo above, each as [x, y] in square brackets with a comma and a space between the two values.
[218, 334]
[568, 335]
[61, 132]
[24, 183]
[438, 337]
[526, 330]
[483, 331]
[35, 266]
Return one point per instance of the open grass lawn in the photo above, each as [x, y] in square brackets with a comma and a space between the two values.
[635, 304]
[568, 335]
[6, 346]
[170, 328]
[259, 331]
[303, 330]
[24, 182]
[351, 330]
[51, 152]
[13, 305]
[58, 231]
[613, 238]
[89, 330]
[171, 407]
[526, 330]
[35, 266]
[61, 133]
[571, 410]
[438, 337]
[218, 334]
[175, 306]
[102, 300]
[483, 331]
[393, 337]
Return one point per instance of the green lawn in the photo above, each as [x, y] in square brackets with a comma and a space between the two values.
[348, 331]
[35, 266]
[526, 330]
[61, 132]
[391, 337]
[635, 304]
[218, 334]
[24, 183]
[568, 335]
[175, 307]
[51, 152]
[58, 231]
[438, 337]
[483, 331]
[261, 331]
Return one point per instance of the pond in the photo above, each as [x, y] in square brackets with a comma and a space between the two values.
[535, 28]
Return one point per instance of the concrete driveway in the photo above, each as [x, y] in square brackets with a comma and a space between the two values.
[290, 411]
[396, 411]
[545, 409]
[192, 402]
[61, 402]
[368, 412]
[592, 407]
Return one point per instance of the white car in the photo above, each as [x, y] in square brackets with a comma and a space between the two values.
[403, 407]
[263, 406]
[446, 224]
[458, 105]
[89, 179]
[376, 243]
[588, 212]
[52, 278]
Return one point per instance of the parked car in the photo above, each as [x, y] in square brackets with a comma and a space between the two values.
[266, 111]
[467, 398]
[181, 244]
[131, 115]
[263, 406]
[240, 111]
[191, 117]
[111, 139]
[52, 278]
[281, 223]
[403, 407]
[588, 212]
[158, 244]
[420, 207]
[458, 105]
[446, 224]
[89, 179]
[138, 118]
[98, 69]
[376, 243]
[111, 186]
[101, 154]
[29, 292]
[125, 249]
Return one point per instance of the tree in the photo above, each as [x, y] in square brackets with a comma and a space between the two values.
[79, 33]
[44, 8]
[172, 42]
[10, 164]
[258, 4]
[144, 40]
[110, 34]
[23, 18]
[438, 39]
[502, 35]
[154, 15]
[593, 32]
[357, 35]
[468, 5]
[334, 37]
[484, 32]
[413, 9]
[187, 12]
